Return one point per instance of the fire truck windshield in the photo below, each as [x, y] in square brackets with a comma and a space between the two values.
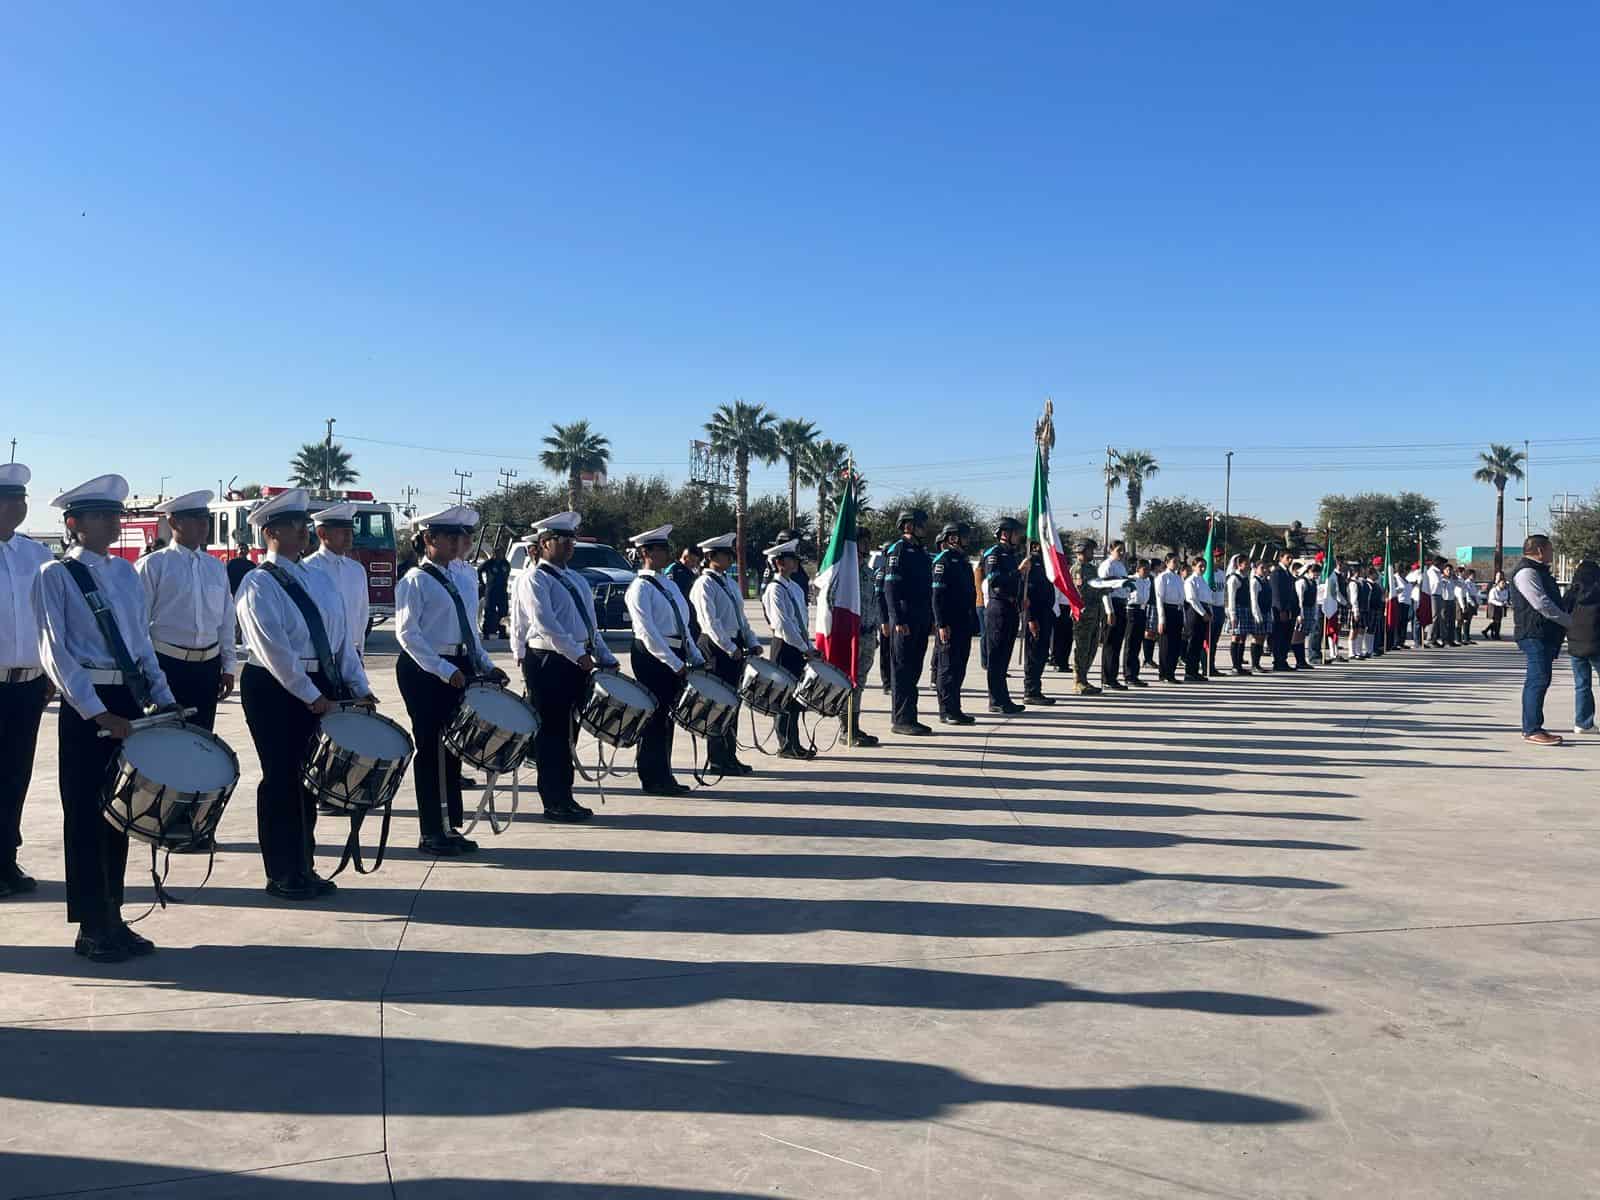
[374, 531]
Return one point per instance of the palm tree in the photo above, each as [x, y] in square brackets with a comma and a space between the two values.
[795, 437]
[822, 467]
[575, 449]
[321, 466]
[1500, 464]
[746, 431]
[1129, 469]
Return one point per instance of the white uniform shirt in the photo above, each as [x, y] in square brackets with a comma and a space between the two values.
[544, 616]
[784, 603]
[349, 579]
[1169, 588]
[1499, 595]
[276, 635]
[720, 610]
[1111, 568]
[1435, 580]
[466, 581]
[70, 643]
[191, 605]
[426, 623]
[20, 560]
[1141, 591]
[661, 620]
[1262, 616]
[1197, 594]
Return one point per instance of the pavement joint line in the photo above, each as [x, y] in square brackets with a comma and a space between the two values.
[383, 1042]
[118, 1187]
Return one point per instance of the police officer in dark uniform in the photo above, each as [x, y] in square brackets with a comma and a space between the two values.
[683, 571]
[1039, 598]
[885, 631]
[955, 621]
[1091, 621]
[1003, 581]
[494, 580]
[908, 609]
[1061, 640]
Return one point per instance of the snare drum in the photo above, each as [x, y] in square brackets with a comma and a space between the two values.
[707, 706]
[357, 760]
[615, 708]
[766, 687]
[169, 785]
[824, 689]
[492, 729]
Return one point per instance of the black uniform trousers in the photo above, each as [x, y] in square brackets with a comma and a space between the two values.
[281, 727]
[194, 685]
[886, 660]
[496, 606]
[655, 744]
[1196, 628]
[1282, 631]
[1444, 622]
[950, 668]
[1061, 640]
[1132, 642]
[722, 751]
[555, 683]
[96, 851]
[999, 638]
[436, 773]
[909, 653]
[1171, 638]
[21, 708]
[1112, 640]
[1087, 631]
[788, 722]
[1036, 652]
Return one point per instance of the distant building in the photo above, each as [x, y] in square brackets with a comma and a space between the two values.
[1481, 559]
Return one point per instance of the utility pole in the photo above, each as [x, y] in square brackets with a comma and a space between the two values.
[461, 492]
[1227, 503]
[161, 489]
[327, 461]
[410, 492]
[505, 480]
[1527, 488]
[1107, 534]
[13, 449]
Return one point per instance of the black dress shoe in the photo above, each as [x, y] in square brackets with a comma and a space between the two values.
[1009, 708]
[465, 844]
[100, 947]
[913, 730]
[321, 886]
[1133, 683]
[134, 943]
[438, 846]
[203, 845]
[793, 752]
[564, 816]
[16, 881]
[864, 741]
[1195, 679]
[1117, 687]
[327, 809]
[468, 781]
[962, 718]
[1038, 701]
[295, 888]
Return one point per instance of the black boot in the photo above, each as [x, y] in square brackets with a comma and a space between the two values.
[1300, 658]
[1255, 656]
[1236, 654]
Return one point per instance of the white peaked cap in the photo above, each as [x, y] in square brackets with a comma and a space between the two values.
[296, 502]
[101, 492]
[188, 502]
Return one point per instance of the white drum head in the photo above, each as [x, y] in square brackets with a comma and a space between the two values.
[500, 708]
[712, 688]
[630, 692]
[367, 734]
[829, 673]
[186, 759]
[770, 671]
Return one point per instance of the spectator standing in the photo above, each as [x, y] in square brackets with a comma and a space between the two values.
[1583, 642]
[1539, 624]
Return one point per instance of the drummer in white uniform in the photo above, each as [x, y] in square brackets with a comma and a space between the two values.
[725, 637]
[662, 654]
[555, 638]
[336, 530]
[784, 602]
[302, 663]
[25, 690]
[106, 670]
[440, 654]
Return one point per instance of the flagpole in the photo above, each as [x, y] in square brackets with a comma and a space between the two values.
[850, 708]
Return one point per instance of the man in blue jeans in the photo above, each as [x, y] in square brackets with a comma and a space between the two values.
[1540, 624]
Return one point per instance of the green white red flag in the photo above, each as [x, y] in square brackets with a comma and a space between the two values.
[837, 622]
[1042, 529]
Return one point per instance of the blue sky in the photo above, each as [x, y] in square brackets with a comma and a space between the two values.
[1352, 245]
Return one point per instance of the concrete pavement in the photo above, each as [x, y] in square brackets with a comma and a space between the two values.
[1278, 937]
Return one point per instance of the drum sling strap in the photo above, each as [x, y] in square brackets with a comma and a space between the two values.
[132, 674]
[329, 667]
[464, 625]
[700, 773]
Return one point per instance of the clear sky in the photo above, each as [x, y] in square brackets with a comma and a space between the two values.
[1354, 245]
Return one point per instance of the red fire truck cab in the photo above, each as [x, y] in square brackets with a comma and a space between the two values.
[232, 533]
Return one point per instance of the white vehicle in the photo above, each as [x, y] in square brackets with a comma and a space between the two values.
[607, 573]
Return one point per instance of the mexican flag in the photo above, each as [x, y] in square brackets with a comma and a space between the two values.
[1327, 587]
[837, 624]
[1211, 567]
[1042, 529]
[1391, 610]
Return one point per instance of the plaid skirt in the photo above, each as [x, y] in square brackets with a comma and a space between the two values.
[1241, 624]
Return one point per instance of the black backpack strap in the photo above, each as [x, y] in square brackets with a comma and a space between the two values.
[132, 674]
[314, 626]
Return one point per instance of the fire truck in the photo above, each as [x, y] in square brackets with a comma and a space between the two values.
[232, 533]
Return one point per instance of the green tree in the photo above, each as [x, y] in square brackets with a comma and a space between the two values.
[746, 432]
[942, 508]
[322, 466]
[1359, 521]
[1498, 465]
[823, 466]
[1176, 523]
[1129, 469]
[574, 449]
[250, 491]
[1577, 535]
[795, 439]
